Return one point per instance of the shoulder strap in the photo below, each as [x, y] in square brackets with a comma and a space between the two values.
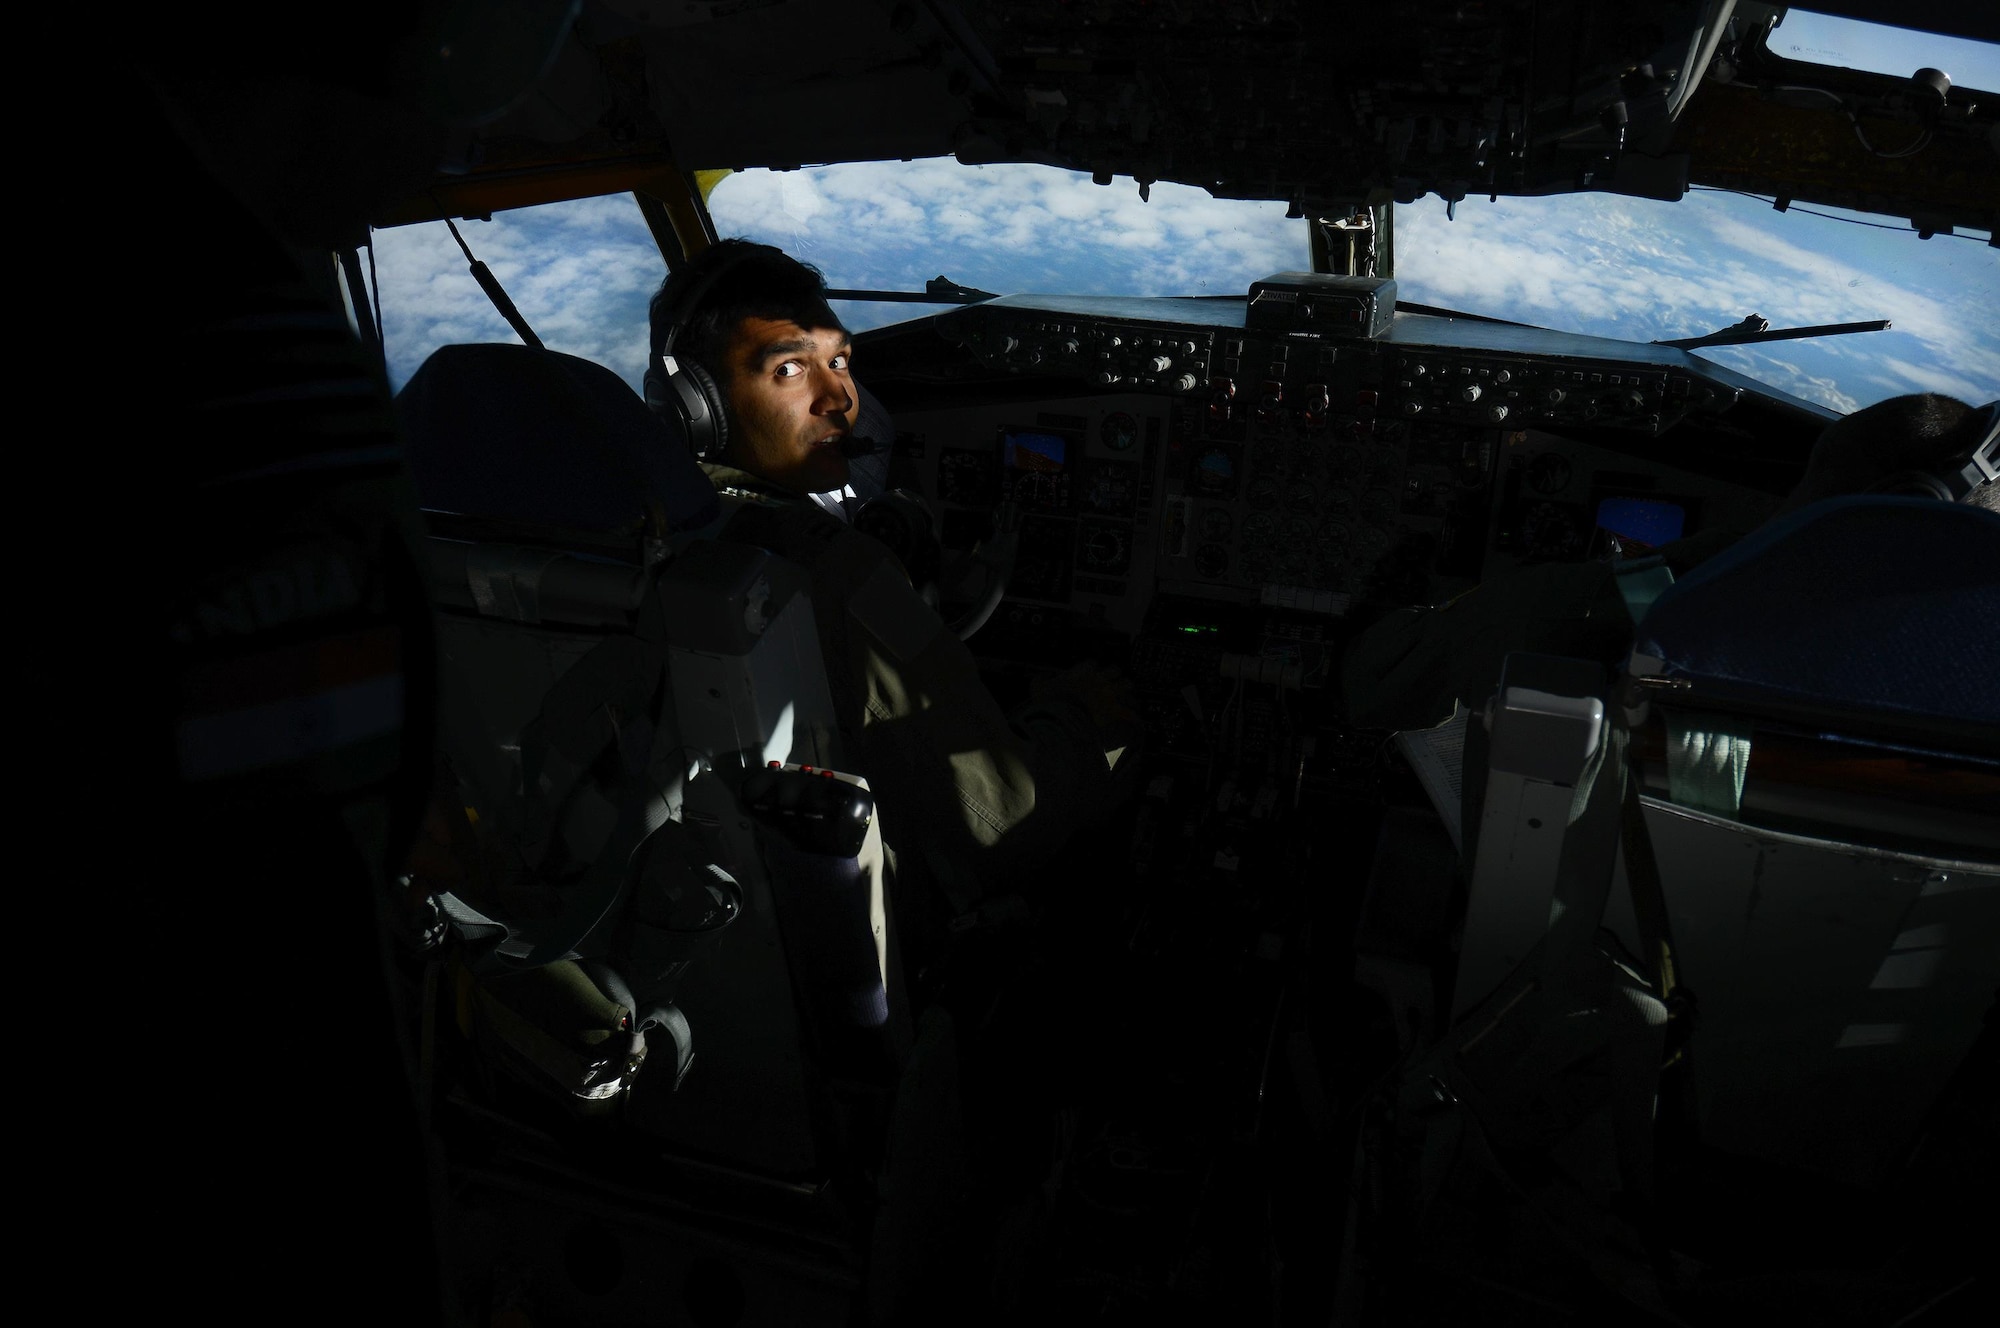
[625, 672]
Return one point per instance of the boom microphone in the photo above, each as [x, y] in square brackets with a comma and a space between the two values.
[853, 445]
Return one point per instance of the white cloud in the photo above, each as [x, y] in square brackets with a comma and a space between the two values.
[1936, 378]
[1657, 271]
[580, 273]
[1031, 223]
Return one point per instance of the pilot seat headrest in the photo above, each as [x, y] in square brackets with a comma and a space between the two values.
[509, 431]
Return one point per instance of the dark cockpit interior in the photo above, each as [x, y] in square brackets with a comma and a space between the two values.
[1650, 978]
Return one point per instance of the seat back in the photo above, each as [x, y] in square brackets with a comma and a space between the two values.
[511, 433]
[1816, 735]
[610, 684]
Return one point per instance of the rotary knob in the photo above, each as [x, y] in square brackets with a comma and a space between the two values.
[1554, 396]
[1469, 393]
[1159, 364]
[1413, 407]
[1496, 413]
[1502, 377]
[1008, 345]
[1185, 383]
[1071, 346]
[1106, 378]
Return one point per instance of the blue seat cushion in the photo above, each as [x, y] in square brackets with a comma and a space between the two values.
[1868, 604]
[538, 436]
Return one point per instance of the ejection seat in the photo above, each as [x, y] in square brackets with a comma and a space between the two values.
[1740, 904]
[639, 833]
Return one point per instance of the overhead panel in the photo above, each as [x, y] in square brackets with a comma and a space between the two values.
[1326, 107]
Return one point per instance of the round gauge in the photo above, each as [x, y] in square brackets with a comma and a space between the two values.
[1119, 431]
[1306, 462]
[1549, 473]
[1295, 570]
[1264, 492]
[1213, 473]
[1264, 459]
[1037, 492]
[1259, 528]
[1347, 462]
[1339, 502]
[1552, 530]
[1370, 540]
[1105, 549]
[1211, 560]
[1256, 567]
[1378, 505]
[1298, 530]
[1301, 497]
[1334, 536]
[967, 478]
[1215, 523]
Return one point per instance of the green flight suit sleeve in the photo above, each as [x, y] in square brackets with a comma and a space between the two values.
[994, 794]
[983, 795]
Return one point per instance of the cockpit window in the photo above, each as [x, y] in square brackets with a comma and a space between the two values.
[581, 273]
[1601, 264]
[1846, 43]
[1645, 270]
[1007, 229]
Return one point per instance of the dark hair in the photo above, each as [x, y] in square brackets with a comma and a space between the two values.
[1918, 432]
[761, 282]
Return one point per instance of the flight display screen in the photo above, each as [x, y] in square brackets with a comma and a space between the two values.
[1035, 468]
[1032, 450]
[1648, 521]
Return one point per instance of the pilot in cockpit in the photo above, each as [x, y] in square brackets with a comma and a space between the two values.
[1408, 670]
[749, 359]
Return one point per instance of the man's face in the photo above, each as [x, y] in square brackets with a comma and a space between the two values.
[792, 403]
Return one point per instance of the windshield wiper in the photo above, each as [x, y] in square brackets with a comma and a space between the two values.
[1758, 328]
[938, 290]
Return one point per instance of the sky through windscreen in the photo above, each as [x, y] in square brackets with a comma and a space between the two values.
[1636, 269]
[1645, 270]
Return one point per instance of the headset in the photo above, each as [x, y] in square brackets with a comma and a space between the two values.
[680, 390]
[1953, 480]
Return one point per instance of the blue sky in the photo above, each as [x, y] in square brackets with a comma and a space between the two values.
[1602, 264]
[1823, 39]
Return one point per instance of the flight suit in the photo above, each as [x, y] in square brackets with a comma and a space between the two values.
[980, 797]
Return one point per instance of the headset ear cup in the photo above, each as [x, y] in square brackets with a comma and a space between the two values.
[1916, 484]
[689, 403]
[711, 438]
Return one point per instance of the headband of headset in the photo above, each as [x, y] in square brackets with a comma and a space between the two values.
[678, 388]
[1953, 480]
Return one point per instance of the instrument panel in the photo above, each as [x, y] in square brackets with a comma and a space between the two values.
[1160, 446]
